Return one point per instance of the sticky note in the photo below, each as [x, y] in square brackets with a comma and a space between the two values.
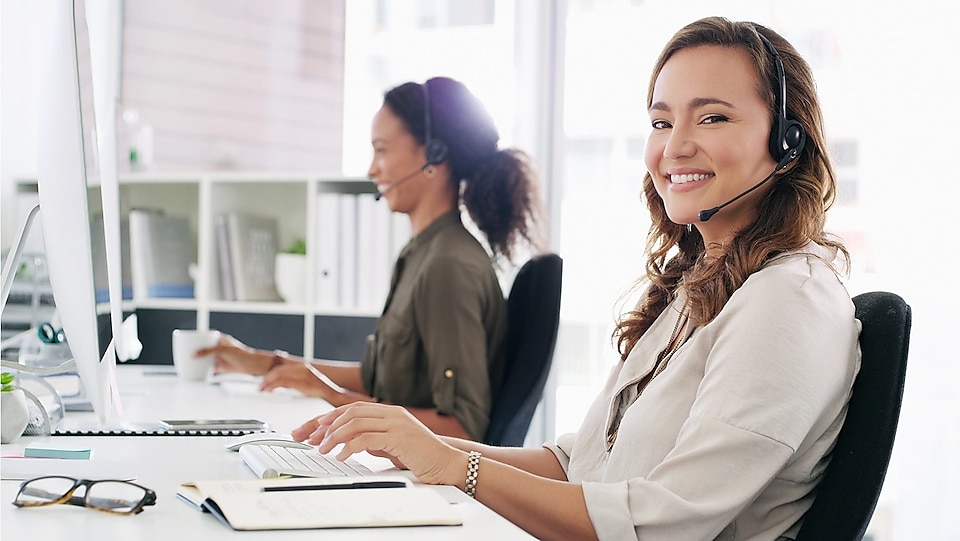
[53, 452]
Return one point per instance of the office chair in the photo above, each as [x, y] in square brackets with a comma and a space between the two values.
[533, 318]
[847, 495]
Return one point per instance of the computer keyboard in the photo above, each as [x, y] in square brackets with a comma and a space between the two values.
[268, 461]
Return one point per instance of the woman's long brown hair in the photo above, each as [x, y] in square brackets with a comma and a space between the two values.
[791, 214]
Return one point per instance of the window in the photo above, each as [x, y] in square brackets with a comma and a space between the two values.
[391, 42]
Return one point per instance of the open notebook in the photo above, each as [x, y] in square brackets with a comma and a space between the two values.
[269, 461]
[287, 504]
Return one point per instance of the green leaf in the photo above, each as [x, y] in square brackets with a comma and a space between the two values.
[299, 246]
[6, 379]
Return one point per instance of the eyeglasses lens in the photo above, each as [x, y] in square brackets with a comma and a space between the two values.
[114, 496]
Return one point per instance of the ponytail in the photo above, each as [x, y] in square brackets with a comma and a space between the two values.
[501, 197]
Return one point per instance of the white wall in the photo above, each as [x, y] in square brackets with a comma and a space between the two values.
[20, 41]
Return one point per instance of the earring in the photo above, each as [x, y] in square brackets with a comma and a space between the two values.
[689, 228]
[429, 171]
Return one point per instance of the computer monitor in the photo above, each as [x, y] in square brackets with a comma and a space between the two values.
[67, 164]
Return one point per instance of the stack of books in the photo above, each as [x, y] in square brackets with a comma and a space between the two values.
[246, 252]
[161, 254]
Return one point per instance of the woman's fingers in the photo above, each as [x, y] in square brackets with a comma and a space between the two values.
[306, 430]
[295, 376]
[314, 430]
[386, 431]
[226, 341]
[343, 426]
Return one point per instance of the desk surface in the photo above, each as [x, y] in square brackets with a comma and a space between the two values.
[164, 462]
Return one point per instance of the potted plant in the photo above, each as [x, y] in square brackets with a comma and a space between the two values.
[290, 272]
[14, 414]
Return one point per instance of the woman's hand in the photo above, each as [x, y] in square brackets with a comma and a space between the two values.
[295, 375]
[232, 355]
[386, 431]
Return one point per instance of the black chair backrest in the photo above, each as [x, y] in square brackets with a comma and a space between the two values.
[847, 494]
[533, 318]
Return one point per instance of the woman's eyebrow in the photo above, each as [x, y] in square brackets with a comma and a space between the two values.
[693, 104]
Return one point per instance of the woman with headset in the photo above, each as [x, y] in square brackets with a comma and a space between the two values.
[438, 345]
[736, 365]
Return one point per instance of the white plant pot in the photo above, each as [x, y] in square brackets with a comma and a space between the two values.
[14, 415]
[290, 277]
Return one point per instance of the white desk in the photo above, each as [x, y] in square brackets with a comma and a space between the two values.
[166, 461]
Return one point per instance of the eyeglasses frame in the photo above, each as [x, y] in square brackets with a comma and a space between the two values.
[149, 496]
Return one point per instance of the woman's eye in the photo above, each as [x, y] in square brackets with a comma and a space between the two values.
[660, 124]
[713, 119]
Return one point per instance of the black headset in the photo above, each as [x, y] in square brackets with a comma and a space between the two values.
[436, 149]
[787, 136]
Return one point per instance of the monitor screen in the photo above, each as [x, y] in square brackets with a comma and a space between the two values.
[67, 164]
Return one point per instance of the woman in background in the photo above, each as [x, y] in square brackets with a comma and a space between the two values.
[737, 364]
[438, 345]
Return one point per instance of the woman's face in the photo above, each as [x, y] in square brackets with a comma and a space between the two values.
[397, 161]
[709, 139]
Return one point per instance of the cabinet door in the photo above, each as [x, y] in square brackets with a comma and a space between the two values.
[155, 329]
[262, 331]
[341, 338]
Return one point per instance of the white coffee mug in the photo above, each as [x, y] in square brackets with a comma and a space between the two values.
[185, 343]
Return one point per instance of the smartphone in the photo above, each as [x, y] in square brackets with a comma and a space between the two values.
[212, 424]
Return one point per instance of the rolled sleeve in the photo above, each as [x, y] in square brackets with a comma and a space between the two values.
[561, 449]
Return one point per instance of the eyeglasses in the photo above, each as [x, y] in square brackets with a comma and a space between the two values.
[109, 496]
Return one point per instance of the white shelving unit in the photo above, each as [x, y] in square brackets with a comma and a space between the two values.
[291, 198]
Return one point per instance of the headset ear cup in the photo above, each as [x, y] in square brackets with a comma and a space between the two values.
[794, 136]
[436, 152]
[787, 140]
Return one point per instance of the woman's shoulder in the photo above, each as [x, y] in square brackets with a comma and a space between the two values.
[813, 262]
[456, 243]
[797, 283]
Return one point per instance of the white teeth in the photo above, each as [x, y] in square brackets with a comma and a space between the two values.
[680, 179]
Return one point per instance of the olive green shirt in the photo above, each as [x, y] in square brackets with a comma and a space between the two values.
[440, 341]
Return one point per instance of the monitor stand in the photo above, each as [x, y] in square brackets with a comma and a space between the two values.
[13, 257]
[70, 387]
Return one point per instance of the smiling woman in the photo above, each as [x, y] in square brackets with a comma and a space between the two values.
[707, 148]
[738, 362]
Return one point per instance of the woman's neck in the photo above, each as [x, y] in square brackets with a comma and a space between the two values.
[421, 218]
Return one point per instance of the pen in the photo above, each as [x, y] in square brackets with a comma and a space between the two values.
[358, 484]
[313, 370]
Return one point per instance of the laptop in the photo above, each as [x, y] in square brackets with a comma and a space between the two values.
[270, 461]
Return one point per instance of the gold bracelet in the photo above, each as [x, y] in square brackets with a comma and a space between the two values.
[473, 471]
